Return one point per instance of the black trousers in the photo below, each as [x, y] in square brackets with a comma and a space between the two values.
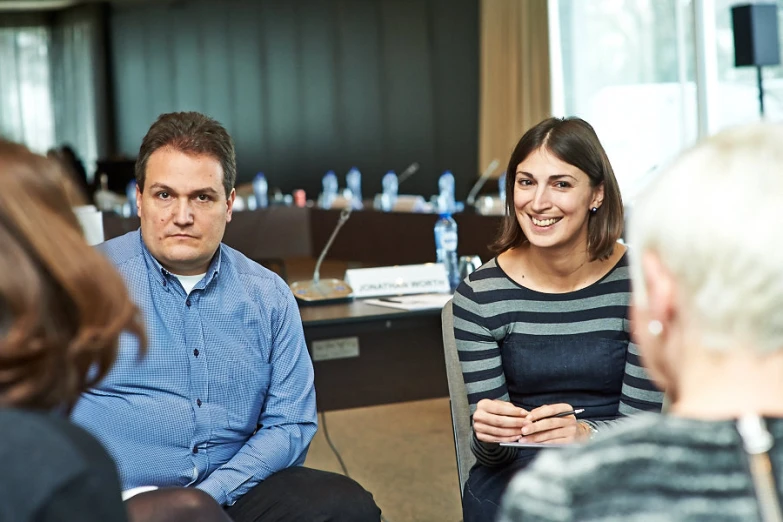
[485, 487]
[307, 495]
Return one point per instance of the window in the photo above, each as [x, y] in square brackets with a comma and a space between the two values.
[26, 113]
[629, 67]
[50, 83]
[736, 97]
[626, 66]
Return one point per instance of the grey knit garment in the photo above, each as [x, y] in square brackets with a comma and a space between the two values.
[650, 468]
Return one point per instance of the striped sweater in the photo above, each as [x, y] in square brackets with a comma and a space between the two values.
[533, 348]
[652, 468]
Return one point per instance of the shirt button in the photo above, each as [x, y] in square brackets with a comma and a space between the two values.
[164, 282]
[187, 302]
[195, 352]
[198, 401]
[195, 449]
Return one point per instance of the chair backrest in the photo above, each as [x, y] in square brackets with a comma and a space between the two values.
[460, 409]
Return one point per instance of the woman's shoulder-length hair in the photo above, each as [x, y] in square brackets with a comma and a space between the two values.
[575, 142]
[63, 306]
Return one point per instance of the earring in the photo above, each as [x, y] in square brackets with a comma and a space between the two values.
[655, 327]
[594, 210]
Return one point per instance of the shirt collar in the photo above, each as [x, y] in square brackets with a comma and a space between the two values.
[161, 274]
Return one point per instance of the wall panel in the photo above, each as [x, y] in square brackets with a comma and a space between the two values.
[310, 85]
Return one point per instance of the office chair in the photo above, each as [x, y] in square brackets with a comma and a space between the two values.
[458, 395]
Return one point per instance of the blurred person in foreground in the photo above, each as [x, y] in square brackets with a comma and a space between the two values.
[708, 301]
[224, 402]
[63, 308]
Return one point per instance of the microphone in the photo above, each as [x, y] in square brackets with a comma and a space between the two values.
[327, 291]
[480, 182]
[408, 172]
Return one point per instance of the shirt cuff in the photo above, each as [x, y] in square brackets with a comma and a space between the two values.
[213, 488]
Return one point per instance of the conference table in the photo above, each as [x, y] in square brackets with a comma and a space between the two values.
[367, 355]
[363, 354]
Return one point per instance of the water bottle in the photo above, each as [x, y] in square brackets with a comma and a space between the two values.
[260, 189]
[129, 209]
[390, 187]
[502, 187]
[446, 189]
[130, 191]
[329, 193]
[354, 181]
[446, 247]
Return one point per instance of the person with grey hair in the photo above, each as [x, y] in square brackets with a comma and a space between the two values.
[707, 266]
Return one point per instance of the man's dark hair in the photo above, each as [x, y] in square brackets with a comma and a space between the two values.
[191, 133]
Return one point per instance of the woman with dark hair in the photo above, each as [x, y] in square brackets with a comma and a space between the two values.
[708, 305]
[63, 308]
[542, 329]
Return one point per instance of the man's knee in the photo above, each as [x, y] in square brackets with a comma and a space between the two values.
[322, 495]
[348, 500]
[194, 500]
[174, 504]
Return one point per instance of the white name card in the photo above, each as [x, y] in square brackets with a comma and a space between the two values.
[428, 278]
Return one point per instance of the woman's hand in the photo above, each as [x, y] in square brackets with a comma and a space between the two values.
[498, 421]
[540, 426]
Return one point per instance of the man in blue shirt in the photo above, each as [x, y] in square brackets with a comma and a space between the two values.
[224, 400]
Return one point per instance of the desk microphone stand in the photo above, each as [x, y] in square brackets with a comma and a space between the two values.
[326, 291]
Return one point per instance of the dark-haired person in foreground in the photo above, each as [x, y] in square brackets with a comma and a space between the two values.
[543, 328]
[707, 263]
[224, 401]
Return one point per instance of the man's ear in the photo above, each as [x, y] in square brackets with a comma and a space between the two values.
[230, 204]
[138, 200]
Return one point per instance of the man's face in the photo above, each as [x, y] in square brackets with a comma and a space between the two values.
[183, 209]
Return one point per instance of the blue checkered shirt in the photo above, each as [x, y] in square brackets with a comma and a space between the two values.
[224, 397]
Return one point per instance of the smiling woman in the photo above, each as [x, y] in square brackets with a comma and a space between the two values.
[570, 152]
[543, 327]
[550, 201]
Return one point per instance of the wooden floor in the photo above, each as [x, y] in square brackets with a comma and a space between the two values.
[402, 453]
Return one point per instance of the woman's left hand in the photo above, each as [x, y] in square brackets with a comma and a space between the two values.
[540, 426]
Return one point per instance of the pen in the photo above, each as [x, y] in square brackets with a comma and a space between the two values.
[565, 413]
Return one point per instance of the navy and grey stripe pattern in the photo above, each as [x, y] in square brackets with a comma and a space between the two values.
[656, 468]
[533, 348]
